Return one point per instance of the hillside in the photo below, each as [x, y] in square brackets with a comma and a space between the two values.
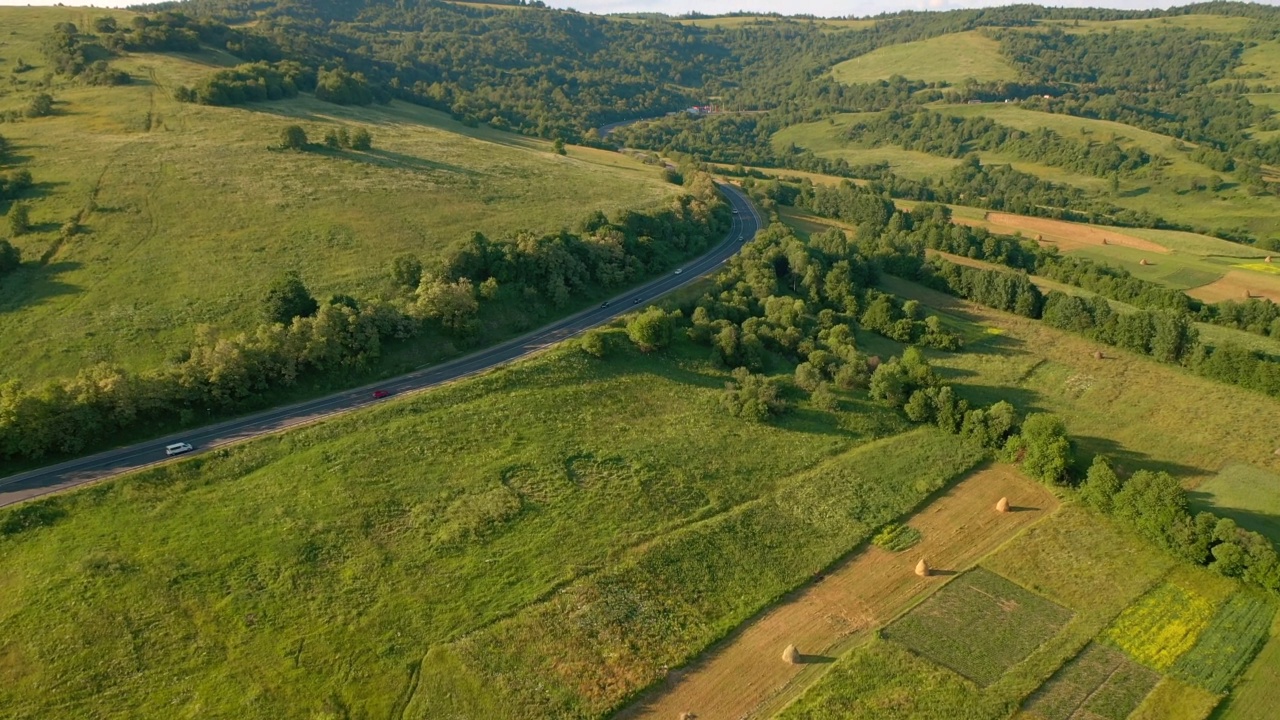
[950, 58]
[187, 215]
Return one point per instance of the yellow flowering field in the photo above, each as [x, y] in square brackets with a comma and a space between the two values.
[1161, 625]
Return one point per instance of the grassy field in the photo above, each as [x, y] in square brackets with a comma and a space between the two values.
[188, 215]
[946, 58]
[1167, 622]
[1246, 494]
[1174, 700]
[316, 568]
[1100, 682]
[1228, 644]
[839, 609]
[1257, 695]
[599, 641]
[979, 625]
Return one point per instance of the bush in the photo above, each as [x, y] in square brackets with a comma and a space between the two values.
[293, 137]
[19, 218]
[288, 298]
[361, 140]
[40, 106]
[753, 397]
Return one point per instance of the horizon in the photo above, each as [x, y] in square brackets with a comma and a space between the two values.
[818, 8]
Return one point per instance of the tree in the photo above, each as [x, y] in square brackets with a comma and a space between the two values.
[594, 343]
[293, 137]
[105, 24]
[288, 298]
[752, 397]
[807, 376]
[823, 398]
[361, 140]
[10, 258]
[1100, 485]
[650, 330]
[40, 106]
[1047, 447]
[453, 304]
[331, 140]
[19, 218]
[559, 146]
[406, 271]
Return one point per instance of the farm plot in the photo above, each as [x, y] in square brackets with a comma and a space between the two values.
[1100, 682]
[1236, 284]
[1175, 700]
[1162, 626]
[979, 625]
[864, 592]
[1068, 235]
[1228, 644]
[1258, 694]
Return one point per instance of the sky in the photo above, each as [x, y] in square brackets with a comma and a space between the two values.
[824, 8]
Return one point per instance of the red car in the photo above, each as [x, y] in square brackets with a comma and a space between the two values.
[379, 394]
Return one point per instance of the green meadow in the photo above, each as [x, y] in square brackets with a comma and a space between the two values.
[949, 58]
[188, 215]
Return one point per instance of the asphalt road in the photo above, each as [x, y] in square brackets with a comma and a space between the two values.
[62, 476]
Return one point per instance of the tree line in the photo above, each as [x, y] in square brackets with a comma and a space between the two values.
[305, 339]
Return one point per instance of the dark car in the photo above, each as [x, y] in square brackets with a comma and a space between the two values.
[636, 301]
[604, 304]
[381, 393]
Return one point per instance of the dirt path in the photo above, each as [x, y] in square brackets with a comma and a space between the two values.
[746, 672]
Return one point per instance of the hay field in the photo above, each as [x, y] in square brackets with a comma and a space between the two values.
[1099, 683]
[595, 643]
[979, 625]
[740, 676]
[1068, 235]
[1239, 285]
[946, 58]
[194, 215]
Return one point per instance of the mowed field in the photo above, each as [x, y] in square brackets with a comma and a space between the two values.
[946, 58]
[745, 675]
[188, 215]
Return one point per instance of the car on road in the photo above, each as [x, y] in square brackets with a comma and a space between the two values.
[604, 304]
[636, 301]
[379, 394]
[177, 448]
[679, 270]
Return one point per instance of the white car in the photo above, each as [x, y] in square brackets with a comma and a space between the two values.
[177, 449]
[679, 270]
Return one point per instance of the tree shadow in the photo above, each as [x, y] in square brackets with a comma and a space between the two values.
[391, 159]
[32, 284]
[1263, 523]
[802, 659]
[935, 572]
[1128, 461]
[1135, 192]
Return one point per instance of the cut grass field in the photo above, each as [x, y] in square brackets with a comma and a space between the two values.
[599, 641]
[1099, 683]
[947, 58]
[741, 678]
[190, 215]
[315, 569]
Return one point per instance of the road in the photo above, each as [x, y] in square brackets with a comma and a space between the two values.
[54, 478]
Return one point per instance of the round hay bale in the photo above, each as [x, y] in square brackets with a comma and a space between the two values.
[1143, 261]
[1097, 355]
[922, 568]
[1003, 505]
[791, 655]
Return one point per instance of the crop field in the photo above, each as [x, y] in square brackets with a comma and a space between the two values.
[1068, 236]
[175, 186]
[1167, 622]
[1175, 700]
[1258, 692]
[1246, 494]
[249, 581]
[979, 625]
[1228, 644]
[600, 640]
[946, 58]
[1100, 682]
[834, 612]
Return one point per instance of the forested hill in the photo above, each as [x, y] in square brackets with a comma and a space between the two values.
[557, 73]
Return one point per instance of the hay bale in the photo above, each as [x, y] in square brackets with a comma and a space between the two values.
[922, 568]
[1003, 505]
[791, 655]
[1039, 238]
[1143, 261]
[1097, 355]
[1247, 295]
[1277, 451]
[687, 716]
[1268, 259]
[1105, 241]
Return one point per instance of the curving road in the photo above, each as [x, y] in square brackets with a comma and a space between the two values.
[24, 486]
